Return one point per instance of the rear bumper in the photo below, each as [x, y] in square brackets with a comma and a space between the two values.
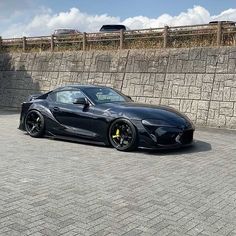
[24, 108]
[21, 124]
[21, 127]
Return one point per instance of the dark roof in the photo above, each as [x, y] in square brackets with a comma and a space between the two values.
[79, 86]
[227, 22]
[113, 27]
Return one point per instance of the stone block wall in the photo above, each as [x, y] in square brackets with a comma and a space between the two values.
[200, 82]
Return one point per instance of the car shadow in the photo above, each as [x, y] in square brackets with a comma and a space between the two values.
[4, 111]
[197, 146]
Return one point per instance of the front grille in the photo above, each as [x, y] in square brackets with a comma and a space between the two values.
[172, 136]
[166, 135]
[187, 137]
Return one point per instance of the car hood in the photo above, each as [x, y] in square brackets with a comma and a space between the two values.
[140, 111]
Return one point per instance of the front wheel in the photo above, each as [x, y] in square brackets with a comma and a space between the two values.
[123, 135]
[34, 124]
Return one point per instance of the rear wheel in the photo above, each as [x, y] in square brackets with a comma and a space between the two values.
[34, 124]
[123, 135]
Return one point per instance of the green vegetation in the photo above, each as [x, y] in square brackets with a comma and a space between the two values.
[175, 37]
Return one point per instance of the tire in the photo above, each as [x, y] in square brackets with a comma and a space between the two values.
[123, 135]
[34, 124]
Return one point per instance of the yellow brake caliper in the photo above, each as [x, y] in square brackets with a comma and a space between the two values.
[117, 135]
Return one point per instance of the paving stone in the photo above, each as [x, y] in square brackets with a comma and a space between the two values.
[50, 187]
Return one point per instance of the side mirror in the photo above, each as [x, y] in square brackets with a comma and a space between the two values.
[129, 97]
[81, 101]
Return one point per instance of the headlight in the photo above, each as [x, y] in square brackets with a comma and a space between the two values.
[154, 122]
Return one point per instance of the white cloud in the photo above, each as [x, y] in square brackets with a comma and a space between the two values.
[46, 21]
[196, 15]
[229, 14]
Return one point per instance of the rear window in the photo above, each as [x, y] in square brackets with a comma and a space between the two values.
[66, 96]
[112, 27]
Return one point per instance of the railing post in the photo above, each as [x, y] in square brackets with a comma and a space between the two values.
[84, 41]
[165, 35]
[234, 38]
[121, 39]
[52, 43]
[24, 44]
[219, 34]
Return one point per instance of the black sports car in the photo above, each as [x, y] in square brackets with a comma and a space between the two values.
[102, 115]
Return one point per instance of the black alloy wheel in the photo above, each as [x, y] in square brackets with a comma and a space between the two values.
[123, 135]
[34, 124]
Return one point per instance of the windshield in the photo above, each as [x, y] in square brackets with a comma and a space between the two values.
[105, 95]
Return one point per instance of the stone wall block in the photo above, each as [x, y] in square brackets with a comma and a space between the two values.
[211, 63]
[203, 105]
[195, 54]
[145, 78]
[208, 78]
[185, 106]
[138, 90]
[117, 80]
[148, 90]
[211, 114]
[154, 101]
[188, 67]
[232, 54]
[226, 93]
[231, 122]
[232, 66]
[190, 79]
[199, 66]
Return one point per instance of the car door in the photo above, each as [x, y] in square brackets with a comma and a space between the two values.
[76, 119]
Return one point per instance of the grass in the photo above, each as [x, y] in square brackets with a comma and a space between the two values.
[148, 42]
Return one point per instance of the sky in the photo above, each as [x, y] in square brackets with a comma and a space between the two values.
[41, 17]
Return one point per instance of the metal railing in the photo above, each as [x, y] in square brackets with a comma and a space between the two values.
[220, 34]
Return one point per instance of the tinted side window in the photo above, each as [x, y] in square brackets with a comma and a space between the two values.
[66, 97]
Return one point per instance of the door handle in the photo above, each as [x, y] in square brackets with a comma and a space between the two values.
[56, 109]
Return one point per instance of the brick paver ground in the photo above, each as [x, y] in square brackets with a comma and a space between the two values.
[50, 187]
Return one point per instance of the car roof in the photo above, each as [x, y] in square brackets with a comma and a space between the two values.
[78, 86]
[65, 31]
[113, 27]
[223, 22]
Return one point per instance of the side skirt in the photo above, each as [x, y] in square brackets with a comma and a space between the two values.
[77, 140]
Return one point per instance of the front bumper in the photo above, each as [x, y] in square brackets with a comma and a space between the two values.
[164, 137]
